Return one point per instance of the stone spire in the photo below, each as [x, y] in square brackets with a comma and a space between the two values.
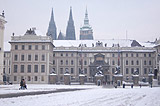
[70, 32]
[61, 36]
[86, 20]
[52, 30]
[86, 32]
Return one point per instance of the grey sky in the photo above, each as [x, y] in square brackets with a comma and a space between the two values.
[109, 18]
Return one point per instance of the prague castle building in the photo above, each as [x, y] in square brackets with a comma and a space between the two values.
[36, 57]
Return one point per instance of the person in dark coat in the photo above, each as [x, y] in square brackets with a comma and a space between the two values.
[123, 85]
[131, 85]
[21, 84]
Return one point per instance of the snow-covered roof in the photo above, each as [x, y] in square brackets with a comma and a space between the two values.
[104, 42]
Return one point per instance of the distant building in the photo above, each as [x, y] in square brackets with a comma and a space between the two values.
[31, 57]
[70, 31]
[52, 30]
[86, 32]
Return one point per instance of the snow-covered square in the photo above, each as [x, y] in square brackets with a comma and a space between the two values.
[90, 95]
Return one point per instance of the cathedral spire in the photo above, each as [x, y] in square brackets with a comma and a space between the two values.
[70, 32]
[70, 15]
[86, 20]
[52, 30]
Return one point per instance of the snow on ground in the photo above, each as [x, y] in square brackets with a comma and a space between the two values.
[97, 96]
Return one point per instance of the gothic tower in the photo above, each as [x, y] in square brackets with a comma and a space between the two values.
[2, 27]
[86, 32]
[52, 30]
[70, 32]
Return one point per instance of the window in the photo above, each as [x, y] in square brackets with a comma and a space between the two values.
[53, 54]
[66, 54]
[15, 78]
[113, 70]
[22, 57]
[22, 68]
[43, 57]
[144, 55]
[23, 47]
[36, 68]
[15, 57]
[72, 55]
[149, 55]
[61, 70]
[53, 62]
[61, 62]
[132, 62]
[145, 62]
[29, 57]
[16, 47]
[4, 55]
[72, 70]
[85, 55]
[126, 62]
[71, 62]
[36, 57]
[61, 54]
[15, 68]
[132, 70]
[29, 47]
[36, 47]
[137, 62]
[80, 62]
[3, 70]
[42, 68]
[66, 62]
[127, 71]
[150, 62]
[4, 62]
[9, 70]
[126, 54]
[43, 47]
[137, 55]
[113, 55]
[29, 78]
[79, 71]
[35, 78]
[132, 55]
[85, 70]
[145, 70]
[29, 68]
[85, 62]
[113, 62]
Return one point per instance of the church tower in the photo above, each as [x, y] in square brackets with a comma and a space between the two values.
[2, 27]
[52, 30]
[86, 32]
[70, 32]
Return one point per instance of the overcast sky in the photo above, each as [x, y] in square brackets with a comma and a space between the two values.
[109, 18]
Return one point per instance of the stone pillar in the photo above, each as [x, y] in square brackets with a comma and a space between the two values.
[135, 79]
[99, 79]
[52, 78]
[2, 27]
[118, 79]
[81, 79]
[67, 79]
